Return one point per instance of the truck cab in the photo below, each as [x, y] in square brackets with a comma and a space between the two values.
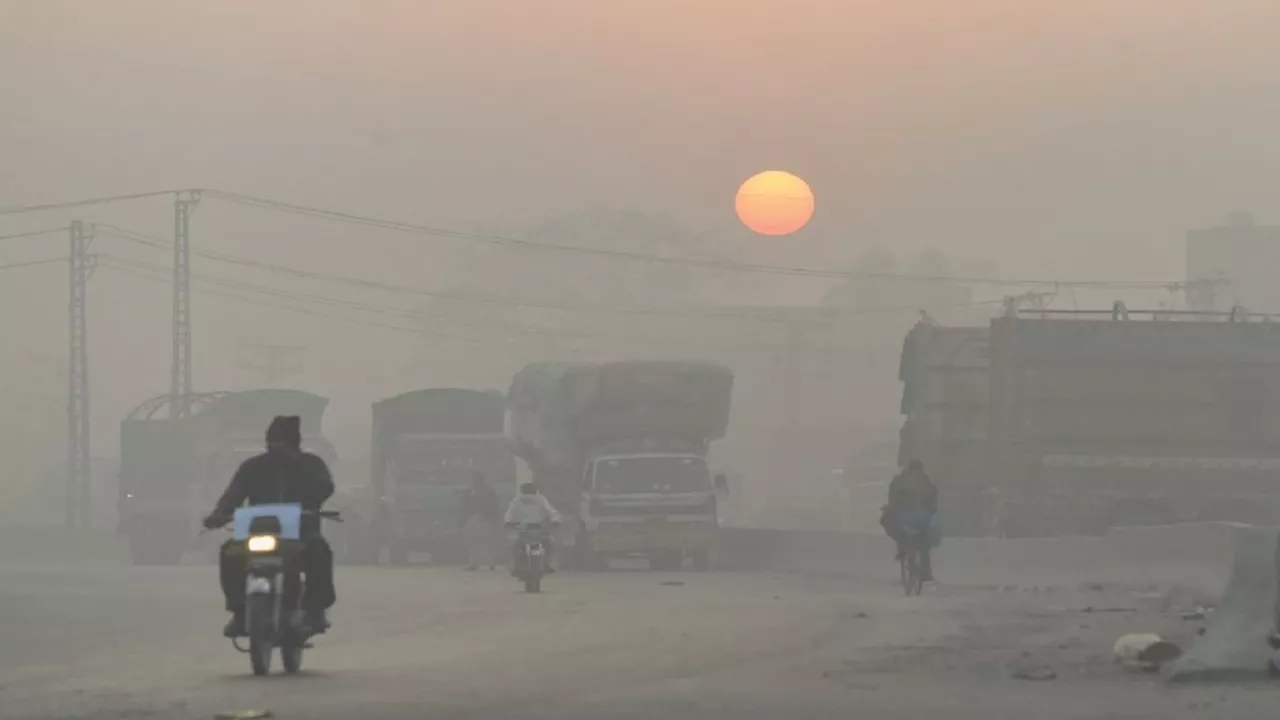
[657, 505]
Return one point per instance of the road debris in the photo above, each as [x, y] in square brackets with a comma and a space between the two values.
[1128, 647]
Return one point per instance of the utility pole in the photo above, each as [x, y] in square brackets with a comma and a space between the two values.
[79, 496]
[180, 374]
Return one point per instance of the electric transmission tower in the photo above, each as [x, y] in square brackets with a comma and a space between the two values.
[80, 265]
[180, 374]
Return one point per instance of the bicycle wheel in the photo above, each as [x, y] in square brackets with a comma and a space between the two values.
[915, 573]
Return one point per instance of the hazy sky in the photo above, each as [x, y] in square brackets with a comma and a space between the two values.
[1080, 137]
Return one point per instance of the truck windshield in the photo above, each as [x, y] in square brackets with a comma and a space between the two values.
[651, 475]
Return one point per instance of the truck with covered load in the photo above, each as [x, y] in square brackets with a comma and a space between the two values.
[172, 470]
[1073, 422]
[621, 449]
[427, 445]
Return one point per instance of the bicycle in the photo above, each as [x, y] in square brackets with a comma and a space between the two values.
[911, 566]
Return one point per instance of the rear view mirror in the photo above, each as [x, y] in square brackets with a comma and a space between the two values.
[722, 483]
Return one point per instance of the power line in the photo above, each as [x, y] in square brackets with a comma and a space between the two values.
[32, 263]
[159, 273]
[352, 218]
[33, 233]
[165, 278]
[158, 243]
[417, 229]
[18, 210]
[749, 314]
[373, 308]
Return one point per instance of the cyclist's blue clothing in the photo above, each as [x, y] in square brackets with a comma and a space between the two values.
[918, 521]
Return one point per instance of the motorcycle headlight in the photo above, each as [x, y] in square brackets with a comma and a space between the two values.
[262, 543]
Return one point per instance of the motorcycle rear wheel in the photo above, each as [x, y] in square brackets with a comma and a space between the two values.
[259, 609]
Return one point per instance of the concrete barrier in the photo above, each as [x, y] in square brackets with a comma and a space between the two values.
[1235, 644]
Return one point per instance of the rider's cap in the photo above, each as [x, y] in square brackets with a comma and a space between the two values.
[285, 430]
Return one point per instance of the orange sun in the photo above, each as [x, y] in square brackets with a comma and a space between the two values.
[774, 203]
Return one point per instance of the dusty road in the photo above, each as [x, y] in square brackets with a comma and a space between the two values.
[441, 643]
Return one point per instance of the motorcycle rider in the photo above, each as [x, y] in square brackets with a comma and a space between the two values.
[526, 508]
[913, 502]
[283, 474]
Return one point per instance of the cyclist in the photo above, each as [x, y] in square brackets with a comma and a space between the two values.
[912, 512]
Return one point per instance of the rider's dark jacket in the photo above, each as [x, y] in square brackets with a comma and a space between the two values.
[912, 490]
[280, 475]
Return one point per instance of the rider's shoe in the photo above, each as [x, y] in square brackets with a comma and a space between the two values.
[235, 627]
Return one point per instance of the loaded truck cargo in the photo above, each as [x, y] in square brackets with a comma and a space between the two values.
[427, 445]
[1074, 422]
[621, 449]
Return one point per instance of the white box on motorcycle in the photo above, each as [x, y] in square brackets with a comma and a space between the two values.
[289, 516]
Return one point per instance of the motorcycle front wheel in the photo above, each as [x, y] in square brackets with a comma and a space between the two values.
[259, 609]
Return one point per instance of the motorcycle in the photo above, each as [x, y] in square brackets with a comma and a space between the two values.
[531, 556]
[270, 538]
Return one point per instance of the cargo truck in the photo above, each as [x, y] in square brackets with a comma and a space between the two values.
[1074, 422]
[427, 445]
[621, 449]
